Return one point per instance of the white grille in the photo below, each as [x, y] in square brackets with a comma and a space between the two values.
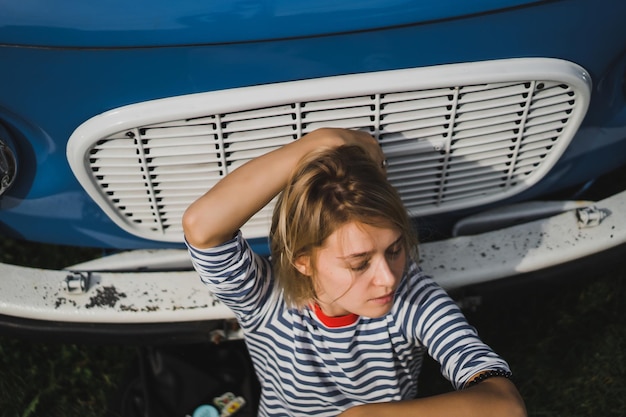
[451, 144]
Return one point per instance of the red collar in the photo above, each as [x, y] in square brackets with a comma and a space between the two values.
[339, 321]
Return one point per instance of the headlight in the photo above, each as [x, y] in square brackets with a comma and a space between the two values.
[8, 165]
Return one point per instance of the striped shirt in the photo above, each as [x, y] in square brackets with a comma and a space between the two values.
[308, 365]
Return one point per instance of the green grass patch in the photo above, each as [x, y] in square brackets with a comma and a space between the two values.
[565, 341]
[53, 379]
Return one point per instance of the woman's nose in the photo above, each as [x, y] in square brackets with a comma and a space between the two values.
[384, 275]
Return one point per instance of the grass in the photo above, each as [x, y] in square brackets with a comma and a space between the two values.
[564, 338]
[54, 379]
[566, 342]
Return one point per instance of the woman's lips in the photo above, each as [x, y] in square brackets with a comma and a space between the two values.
[385, 299]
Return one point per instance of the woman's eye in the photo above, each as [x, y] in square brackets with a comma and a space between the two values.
[395, 251]
[360, 267]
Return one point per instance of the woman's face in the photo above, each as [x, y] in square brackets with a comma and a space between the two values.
[358, 270]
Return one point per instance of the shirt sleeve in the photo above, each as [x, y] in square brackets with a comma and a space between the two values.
[237, 276]
[435, 321]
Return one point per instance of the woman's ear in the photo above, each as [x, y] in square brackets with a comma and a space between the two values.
[303, 265]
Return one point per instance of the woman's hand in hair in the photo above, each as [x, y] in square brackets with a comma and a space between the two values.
[216, 216]
[359, 138]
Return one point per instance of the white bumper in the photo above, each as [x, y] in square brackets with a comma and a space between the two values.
[171, 297]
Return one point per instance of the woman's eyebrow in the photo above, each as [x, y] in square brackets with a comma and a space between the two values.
[355, 255]
[368, 253]
[395, 242]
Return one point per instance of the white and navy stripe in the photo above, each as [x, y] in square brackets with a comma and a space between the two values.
[306, 367]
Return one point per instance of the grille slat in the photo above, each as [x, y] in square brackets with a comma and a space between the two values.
[338, 103]
[354, 123]
[255, 114]
[423, 96]
[254, 124]
[180, 132]
[480, 131]
[338, 114]
[465, 115]
[450, 146]
[487, 94]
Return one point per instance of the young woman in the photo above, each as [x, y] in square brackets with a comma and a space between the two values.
[339, 321]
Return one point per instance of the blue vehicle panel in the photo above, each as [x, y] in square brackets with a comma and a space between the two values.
[64, 66]
[72, 23]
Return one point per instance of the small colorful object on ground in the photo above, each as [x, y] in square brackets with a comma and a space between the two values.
[205, 410]
[228, 403]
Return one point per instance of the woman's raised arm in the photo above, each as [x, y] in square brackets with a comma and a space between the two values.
[219, 213]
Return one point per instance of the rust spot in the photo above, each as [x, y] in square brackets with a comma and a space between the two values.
[176, 308]
[134, 309]
[105, 297]
[62, 300]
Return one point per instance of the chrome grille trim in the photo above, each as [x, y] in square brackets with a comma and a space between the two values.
[456, 136]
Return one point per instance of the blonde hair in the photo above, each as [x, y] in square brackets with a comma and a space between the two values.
[328, 189]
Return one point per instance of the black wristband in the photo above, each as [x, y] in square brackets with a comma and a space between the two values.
[488, 374]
